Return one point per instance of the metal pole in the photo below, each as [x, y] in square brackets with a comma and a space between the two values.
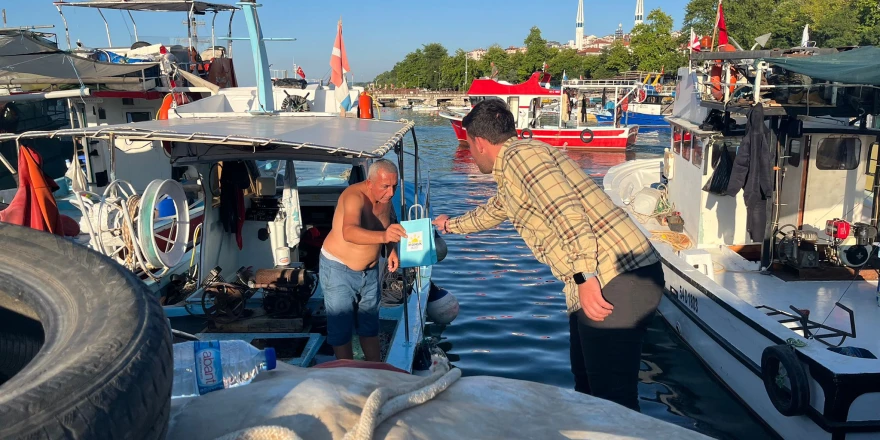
[66, 31]
[229, 44]
[402, 214]
[213, 20]
[106, 26]
[136, 38]
[111, 141]
[261, 61]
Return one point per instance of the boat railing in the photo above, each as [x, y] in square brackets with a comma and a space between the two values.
[598, 83]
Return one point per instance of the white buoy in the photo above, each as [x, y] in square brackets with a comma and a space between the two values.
[442, 305]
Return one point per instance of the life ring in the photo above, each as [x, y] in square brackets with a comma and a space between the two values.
[659, 88]
[794, 399]
[585, 139]
[641, 96]
[524, 132]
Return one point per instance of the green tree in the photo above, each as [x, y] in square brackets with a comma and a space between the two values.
[618, 58]
[537, 53]
[453, 72]
[653, 46]
[568, 61]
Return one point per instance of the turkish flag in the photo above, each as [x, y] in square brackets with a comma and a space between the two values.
[299, 71]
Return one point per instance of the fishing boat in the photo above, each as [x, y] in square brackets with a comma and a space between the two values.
[537, 108]
[649, 105]
[774, 286]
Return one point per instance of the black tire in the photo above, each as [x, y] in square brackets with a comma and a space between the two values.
[525, 132]
[789, 402]
[587, 139]
[105, 368]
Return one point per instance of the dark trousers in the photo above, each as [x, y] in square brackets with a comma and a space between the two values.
[606, 356]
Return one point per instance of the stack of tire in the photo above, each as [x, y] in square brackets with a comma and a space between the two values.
[85, 350]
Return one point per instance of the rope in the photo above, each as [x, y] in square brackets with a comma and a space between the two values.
[262, 433]
[663, 209]
[677, 240]
[127, 232]
[387, 401]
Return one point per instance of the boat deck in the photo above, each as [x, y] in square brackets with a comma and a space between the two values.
[739, 276]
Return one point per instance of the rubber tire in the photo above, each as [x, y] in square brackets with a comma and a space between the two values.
[774, 356]
[105, 368]
[588, 140]
[523, 134]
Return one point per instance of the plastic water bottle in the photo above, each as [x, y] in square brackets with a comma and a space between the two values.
[205, 366]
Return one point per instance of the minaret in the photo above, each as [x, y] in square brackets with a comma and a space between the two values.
[579, 29]
[640, 11]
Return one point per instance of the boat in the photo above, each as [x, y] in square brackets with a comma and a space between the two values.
[648, 106]
[536, 109]
[219, 284]
[784, 314]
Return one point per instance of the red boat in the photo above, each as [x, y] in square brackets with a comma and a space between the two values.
[536, 109]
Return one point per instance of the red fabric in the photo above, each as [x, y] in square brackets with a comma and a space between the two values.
[34, 205]
[299, 71]
[722, 27]
[338, 59]
[348, 363]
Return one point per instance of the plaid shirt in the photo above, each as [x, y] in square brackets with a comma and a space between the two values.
[564, 217]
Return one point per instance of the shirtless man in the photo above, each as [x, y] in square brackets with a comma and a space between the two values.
[349, 264]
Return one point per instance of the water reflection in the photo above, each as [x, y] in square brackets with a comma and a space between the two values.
[512, 322]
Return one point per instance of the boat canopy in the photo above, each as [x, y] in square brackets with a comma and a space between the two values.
[197, 7]
[855, 66]
[324, 137]
[532, 87]
[26, 57]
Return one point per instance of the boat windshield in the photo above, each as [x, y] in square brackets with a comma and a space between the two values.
[307, 173]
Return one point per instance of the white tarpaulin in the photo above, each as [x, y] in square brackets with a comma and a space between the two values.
[318, 403]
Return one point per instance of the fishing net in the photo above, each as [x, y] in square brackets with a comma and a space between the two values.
[723, 167]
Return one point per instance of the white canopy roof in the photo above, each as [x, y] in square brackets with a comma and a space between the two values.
[303, 136]
[154, 5]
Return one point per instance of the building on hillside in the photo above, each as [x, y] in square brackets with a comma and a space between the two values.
[477, 54]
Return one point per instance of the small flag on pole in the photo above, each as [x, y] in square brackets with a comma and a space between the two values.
[694, 45]
[299, 71]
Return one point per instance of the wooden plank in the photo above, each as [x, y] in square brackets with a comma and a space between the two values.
[826, 273]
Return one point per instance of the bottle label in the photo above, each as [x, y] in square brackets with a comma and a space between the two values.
[209, 370]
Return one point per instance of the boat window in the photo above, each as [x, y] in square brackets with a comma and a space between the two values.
[838, 153]
[871, 165]
[794, 152]
[698, 152]
[676, 140]
[307, 173]
[686, 145]
[138, 116]
[474, 100]
[513, 103]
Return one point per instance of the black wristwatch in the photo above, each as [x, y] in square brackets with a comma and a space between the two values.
[579, 278]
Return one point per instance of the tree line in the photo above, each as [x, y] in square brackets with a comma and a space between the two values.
[653, 45]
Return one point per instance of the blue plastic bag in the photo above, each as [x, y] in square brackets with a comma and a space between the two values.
[418, 248]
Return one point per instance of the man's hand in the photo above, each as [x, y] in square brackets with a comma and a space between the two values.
[393, 261]
[594, 305]
[394, 233]
[440, 222]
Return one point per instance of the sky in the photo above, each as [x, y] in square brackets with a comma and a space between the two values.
[377, 34]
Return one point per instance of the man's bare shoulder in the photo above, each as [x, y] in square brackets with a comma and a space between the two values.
[353, 194]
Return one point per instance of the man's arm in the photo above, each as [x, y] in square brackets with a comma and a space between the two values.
[549, 191]
[353, 204]
[480, 219]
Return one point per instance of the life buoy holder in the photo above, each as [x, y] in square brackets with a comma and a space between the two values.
[584, 137]
[785, 380]
[641, 96]
[525, 132]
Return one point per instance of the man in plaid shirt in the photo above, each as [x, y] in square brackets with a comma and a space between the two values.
[613, 277]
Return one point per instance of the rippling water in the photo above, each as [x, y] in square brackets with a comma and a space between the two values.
[512, 321]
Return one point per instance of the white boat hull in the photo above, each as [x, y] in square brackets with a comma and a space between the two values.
[723, 327]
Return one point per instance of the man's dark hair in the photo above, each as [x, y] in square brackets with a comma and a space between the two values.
[491, 120]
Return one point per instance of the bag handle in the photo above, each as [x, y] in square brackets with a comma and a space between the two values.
[420, 212]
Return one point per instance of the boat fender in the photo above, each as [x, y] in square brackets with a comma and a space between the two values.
[442, 305]
[791, 397]
[526, 134]
[668, 161]
[587, 136]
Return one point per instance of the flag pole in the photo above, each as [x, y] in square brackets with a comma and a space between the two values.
[715, 30]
